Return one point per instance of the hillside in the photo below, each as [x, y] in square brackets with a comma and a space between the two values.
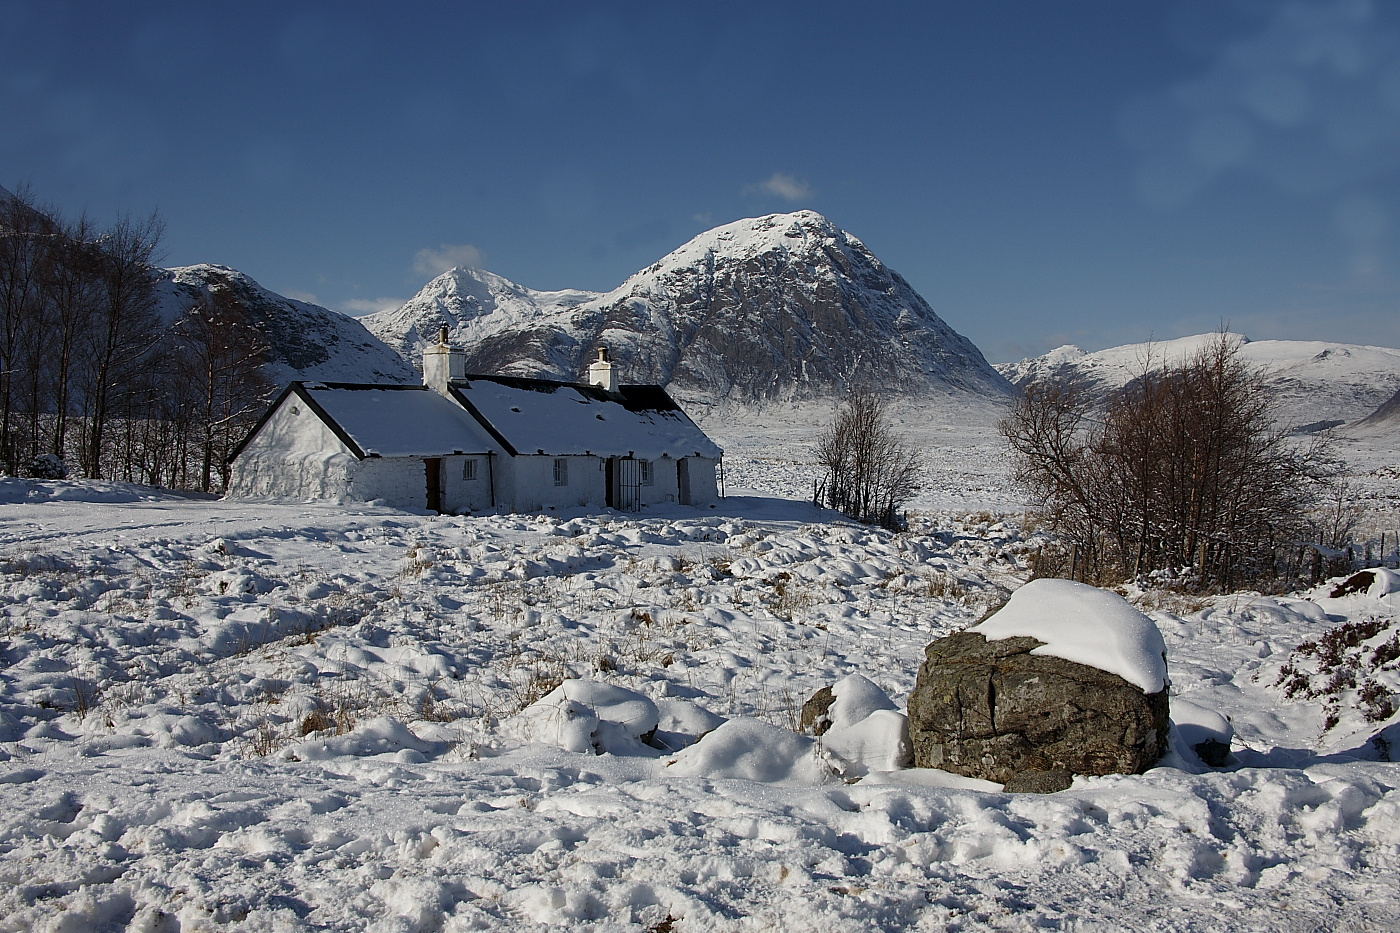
[1383, 420]
[1313, 382]
[781, 307]
[307, 340]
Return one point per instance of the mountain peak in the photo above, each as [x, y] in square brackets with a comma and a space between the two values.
[776, 307]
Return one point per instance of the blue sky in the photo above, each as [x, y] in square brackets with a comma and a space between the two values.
[1087, 172]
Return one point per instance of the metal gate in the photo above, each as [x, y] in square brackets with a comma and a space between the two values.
[624, 484]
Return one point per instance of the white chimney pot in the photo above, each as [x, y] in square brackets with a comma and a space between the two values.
[602, 373]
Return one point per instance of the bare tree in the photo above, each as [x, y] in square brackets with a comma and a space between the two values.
[220, 359]
[25, 243]
[1185, 468]
[83, 352]
[71, 287]
[868, 471]
[126, 330]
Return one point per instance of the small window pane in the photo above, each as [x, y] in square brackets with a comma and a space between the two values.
[644, 472]
[561, 471]
[469, 468]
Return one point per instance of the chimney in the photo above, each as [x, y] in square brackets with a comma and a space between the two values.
[602, 373]
[442, 365]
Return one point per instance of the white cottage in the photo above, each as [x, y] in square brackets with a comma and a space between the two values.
[462, 443]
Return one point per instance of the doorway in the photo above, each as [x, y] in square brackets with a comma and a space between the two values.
[432, 466]
[683, 481]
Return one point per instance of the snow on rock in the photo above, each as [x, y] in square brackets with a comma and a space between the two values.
[589, 715]
[752, 750]
[380, 736]
[682, 723]
[1371, 584]
[1087, 625]
[1198, 724]
[1193, 725]
[862, 729]
[856, 697]
[878, 742]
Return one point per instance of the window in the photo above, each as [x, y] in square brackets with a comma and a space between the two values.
[469, 468]
[644, 474]
[561, 471]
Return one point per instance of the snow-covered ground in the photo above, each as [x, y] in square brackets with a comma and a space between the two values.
[308, 716]
[964, 458]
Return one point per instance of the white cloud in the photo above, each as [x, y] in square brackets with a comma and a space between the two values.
[446, 256]
[297, 294]
[782, 185]
[355, 307]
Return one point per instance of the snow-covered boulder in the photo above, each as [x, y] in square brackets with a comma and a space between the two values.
[682, 724]
[753, 750]
[1201, 732]
[861, 728]
[379, 736]
[879, 742]
[850, 700]
[589, 716]
[1064, 677]
[1373, 583]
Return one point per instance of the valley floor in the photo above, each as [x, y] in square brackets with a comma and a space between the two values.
[290, 716]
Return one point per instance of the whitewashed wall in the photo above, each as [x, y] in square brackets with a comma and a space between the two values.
[295, 456]
[531, 483]
[460, 495]
[704, 483]
[399, 481]
[664, 488]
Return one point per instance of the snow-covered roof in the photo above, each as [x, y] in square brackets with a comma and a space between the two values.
[394, 421]
[529, 416]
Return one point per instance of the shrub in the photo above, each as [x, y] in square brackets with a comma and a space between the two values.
[1185, 471]
[1354, 664]
[46, 466]
[869, 472]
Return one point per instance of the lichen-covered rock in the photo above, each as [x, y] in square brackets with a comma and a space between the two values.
[815, 718]
[1039, 782]
[991, 709]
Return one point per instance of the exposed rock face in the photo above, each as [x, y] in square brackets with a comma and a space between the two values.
[771, 308]
[814, 718]
[991, 710]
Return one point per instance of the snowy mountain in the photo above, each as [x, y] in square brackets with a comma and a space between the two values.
[1313, 382]
[509, 328]
[780, 307]
[307, 340]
